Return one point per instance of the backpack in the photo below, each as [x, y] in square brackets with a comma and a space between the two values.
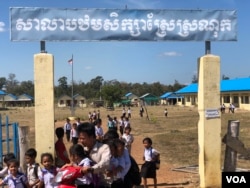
[133, 176]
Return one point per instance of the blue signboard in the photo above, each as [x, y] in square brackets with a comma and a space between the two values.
[50, 24]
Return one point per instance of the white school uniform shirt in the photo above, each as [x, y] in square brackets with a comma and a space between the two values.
[121, 123]
[67, 126]
[73, 134]
[30, 173]
[126, 124]
[86, 178]
[47, 176]
[128, 138]
[129, 111]
[99, 131]
[149, 153]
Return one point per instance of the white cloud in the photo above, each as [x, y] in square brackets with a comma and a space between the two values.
[2, 26]
[88, 67]
[171, 54]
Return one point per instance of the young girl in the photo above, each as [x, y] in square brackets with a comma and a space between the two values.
[148, 169]
[49, 172]
[15, 179]
[79, 158]
[128, 138]
[6, 158]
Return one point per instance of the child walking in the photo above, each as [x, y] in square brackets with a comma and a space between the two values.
[148, 169]
[33, 169]
[67, 129]
[15, 179]
[49, 172]
[128, 138]
[74, 134]
[79, 158]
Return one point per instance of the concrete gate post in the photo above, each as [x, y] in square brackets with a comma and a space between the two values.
[44, 103]
[209, 126]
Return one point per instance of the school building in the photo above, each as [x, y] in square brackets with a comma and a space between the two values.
[236, 91]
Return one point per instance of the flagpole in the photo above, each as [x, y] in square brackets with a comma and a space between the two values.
[72, 89]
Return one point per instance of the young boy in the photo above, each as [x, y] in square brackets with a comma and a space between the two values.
[33, 169]
[61, 152]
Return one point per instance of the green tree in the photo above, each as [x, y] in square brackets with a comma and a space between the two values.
[177, 86]
[25, 87]
[62, 88]
[3, 81]
[112, 92]
[11, 83]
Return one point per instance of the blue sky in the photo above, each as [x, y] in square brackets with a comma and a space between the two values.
[132, 62]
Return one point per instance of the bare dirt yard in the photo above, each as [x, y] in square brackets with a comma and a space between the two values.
[175, 137]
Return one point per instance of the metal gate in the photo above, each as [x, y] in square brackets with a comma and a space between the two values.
[9, 138]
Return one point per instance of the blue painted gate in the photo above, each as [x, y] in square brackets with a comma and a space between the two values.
[9, 138]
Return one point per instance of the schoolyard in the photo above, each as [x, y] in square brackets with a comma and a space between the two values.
[175, 136]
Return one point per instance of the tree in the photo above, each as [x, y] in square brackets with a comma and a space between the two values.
[177, 86]
[2, 82]
[62, 87]
[25, 87]
[111, 92]
[11, 83]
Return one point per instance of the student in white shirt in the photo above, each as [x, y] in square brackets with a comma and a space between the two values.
[99, 130]
[148, 169]
[74, 134]
[128, 138]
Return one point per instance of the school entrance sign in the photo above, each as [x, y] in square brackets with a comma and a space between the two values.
[54, 24]
[44, 24]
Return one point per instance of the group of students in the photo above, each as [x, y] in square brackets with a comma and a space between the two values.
[110, 153]
[231, 108]
[33, 176]
[103, 163]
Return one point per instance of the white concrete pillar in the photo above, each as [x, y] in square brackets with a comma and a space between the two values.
[44, 103]
[209, 126]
